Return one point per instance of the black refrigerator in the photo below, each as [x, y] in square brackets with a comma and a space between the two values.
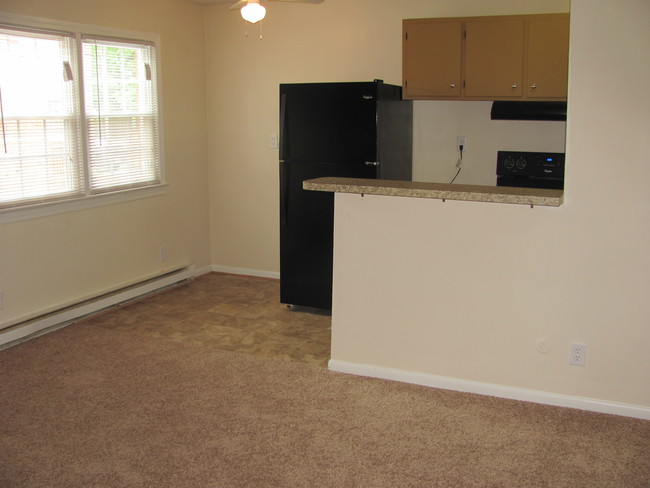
[356, 130]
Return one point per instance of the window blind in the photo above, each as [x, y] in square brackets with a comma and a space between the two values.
[121, 114]
[40, 150]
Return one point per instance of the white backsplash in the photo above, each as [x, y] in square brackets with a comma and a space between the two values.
[436, 125]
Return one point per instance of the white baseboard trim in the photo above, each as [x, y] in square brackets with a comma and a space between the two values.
[245, 271]
[69, 314]
[501, 391]
[203, 271]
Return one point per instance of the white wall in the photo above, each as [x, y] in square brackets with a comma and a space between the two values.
[337, 40]
[52, 261]
[472, 291]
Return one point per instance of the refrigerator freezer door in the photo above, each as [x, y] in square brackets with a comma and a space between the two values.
[306, 232]
[329, 122]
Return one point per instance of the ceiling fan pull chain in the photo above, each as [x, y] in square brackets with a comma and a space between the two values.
[261, 22]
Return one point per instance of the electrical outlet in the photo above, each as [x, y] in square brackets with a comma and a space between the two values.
[163, 253]
[577, 354]
[461, 141]
[2, 300]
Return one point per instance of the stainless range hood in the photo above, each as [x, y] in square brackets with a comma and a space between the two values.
[502, 110]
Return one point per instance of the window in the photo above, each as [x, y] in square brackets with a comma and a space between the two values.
[40, 142]
[78, 115]
[121, 115]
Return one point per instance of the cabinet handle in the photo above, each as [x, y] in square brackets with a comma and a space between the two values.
[514, 85]
[452, 85]
[533, 86]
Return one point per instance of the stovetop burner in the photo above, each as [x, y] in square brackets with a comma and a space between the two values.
[530, 169]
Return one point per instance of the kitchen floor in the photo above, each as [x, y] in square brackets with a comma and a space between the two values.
[229, 312]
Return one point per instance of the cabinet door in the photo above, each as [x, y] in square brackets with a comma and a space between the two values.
[494, 53]
[548, 58]
[432, 59]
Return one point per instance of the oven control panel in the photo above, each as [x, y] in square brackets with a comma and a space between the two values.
[536, 164]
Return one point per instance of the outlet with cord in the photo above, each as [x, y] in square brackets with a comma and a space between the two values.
[461, 143]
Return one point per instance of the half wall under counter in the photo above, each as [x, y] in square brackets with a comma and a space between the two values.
[440, 191]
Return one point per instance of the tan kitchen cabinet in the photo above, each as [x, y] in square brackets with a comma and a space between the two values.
[547, 53]
[432, 59]
[523, 57]
[494, 58]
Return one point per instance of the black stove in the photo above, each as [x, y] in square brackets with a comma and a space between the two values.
[530, 169]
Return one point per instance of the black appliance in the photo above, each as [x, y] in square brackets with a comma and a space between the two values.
[530, 169]
[505, 110]
[356, 130]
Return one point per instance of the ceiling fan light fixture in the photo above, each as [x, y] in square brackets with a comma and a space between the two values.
[253, 12]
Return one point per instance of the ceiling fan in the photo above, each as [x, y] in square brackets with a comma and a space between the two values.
[253, 11]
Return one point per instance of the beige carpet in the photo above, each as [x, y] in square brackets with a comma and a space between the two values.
[228, 312]
[88, 407]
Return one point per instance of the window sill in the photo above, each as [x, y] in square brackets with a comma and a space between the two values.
[63, 206]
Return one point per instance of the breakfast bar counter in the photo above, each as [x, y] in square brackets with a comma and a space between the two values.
[441, 191]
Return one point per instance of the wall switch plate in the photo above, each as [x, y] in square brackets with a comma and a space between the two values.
[577, 354]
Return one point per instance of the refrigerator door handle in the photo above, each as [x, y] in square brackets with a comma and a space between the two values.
[283, 131]
[284, 192]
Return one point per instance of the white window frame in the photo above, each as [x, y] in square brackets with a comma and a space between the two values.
[24, 212]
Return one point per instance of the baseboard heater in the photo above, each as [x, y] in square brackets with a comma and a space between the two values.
[65, 316]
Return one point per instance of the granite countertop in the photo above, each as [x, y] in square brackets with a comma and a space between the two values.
[441, 191]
